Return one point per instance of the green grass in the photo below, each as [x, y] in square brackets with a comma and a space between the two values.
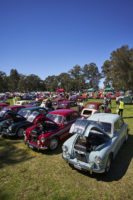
[27, 174]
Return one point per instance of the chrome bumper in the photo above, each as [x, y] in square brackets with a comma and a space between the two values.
[34, 146]
[80, 166]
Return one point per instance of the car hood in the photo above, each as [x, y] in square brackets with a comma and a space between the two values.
[83, 127]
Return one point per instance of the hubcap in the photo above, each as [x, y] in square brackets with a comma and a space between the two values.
[53, 144]
[20, 132]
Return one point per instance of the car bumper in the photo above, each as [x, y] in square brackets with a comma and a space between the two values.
[82, 166]
[34, 146]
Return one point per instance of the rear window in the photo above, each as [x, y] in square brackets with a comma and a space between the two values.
[87, 112]
[91, 106]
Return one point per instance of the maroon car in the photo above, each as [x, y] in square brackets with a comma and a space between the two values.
[94, 107]
[70, 105]
[4, 112]
[53, 129]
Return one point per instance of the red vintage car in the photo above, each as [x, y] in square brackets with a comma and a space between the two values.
[55, 102]
[53, 129]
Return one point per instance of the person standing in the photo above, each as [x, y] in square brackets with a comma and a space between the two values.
[121, 107]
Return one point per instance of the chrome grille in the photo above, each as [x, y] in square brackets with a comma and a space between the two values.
[33, 139]
[80, 157]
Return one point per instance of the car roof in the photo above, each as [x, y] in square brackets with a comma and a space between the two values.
[58, 99]
[95, 103]
[66, 102]
[104, 117]
[16, 106]
[62, 112]
[32, 108]
[3, 104]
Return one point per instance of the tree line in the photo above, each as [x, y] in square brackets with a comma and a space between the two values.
[117, 72]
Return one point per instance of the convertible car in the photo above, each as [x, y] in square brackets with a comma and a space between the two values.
[53, 129]
[17, 123]
[95, 142]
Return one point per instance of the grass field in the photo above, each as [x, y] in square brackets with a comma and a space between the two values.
[27, 174]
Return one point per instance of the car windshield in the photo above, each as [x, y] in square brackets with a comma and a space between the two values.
[24, 113]
[105, 126]
[91, 106]
[32, 117]
[63, 105]
[56, 118]
[3, 111]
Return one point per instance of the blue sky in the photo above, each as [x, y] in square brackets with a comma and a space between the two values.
[48, 37]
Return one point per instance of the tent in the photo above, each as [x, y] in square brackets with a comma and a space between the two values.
[91, 90]
[109, 90]
[60, 91]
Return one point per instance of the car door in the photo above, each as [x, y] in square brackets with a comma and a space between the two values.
[123, 130]
[68, 120]
[116, 139]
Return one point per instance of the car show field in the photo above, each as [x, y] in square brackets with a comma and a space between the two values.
[28, 174]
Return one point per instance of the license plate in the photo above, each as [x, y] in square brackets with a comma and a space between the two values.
[30, 146]
[77, 167]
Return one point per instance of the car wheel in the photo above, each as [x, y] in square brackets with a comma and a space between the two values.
[20, 132]
[108, 164]
[54, 142]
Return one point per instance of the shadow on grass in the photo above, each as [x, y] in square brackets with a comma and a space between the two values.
[11, 155]
[119, 165]
[49, 152]
[3, 195]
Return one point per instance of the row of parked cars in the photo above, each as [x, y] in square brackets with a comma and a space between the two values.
[89, 143]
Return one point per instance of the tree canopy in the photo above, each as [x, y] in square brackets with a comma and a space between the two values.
[117, 73]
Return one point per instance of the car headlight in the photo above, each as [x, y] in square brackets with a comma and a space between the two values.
[64, 148]
[98, 160]
[24, 133]
[10, 128]
[42, 139]
[38, 142]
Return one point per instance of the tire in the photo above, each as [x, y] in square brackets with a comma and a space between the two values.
[20, 132]
[108, 164]
[54, 143]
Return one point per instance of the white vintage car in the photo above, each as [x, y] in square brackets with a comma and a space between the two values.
[94, 107]
[95, 142]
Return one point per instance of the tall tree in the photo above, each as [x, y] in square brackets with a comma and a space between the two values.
[106, 73]
[13, 80]
[92, 75]
[121, 68]
[51, 83]
[3, 82]
[78, 79]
